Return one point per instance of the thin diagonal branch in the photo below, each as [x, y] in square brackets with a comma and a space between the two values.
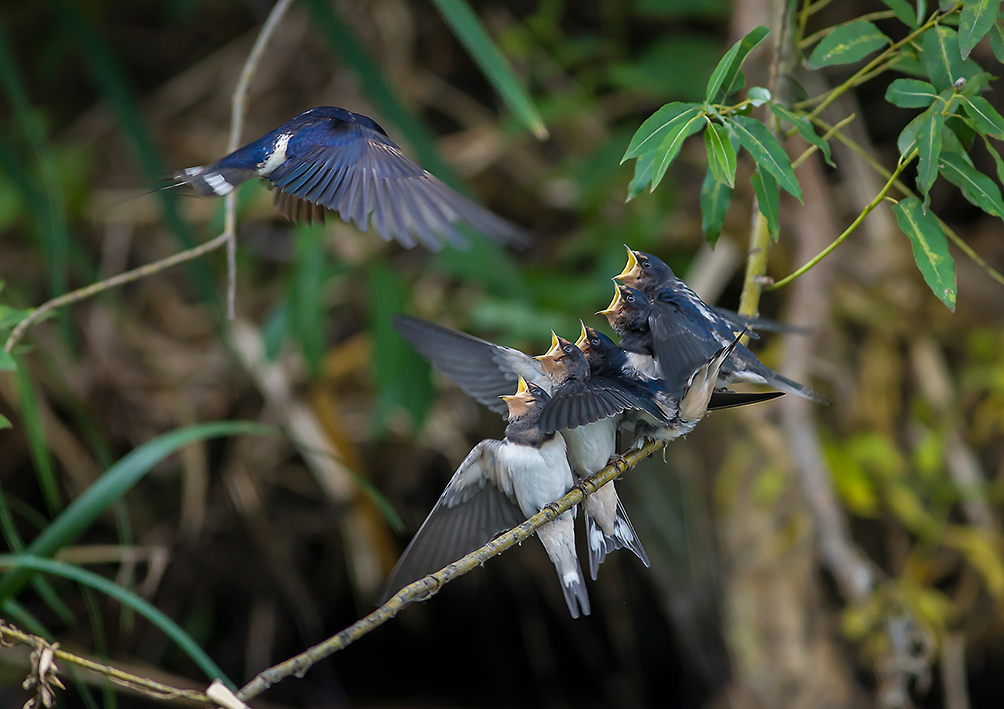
[148, 687]
[427, 587]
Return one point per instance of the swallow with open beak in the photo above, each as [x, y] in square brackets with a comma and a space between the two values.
[686, 332]
[588, 411]
[499, 485]
[330, 159]
[607, 359]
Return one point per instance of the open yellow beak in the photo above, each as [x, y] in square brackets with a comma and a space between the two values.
[520, 389]
[631, 264]
[612, 308]
[583, 337]
[555, 348]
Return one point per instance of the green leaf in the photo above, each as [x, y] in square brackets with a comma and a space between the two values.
[986, 117]
[930, 248]
[997, 41]
[804, 128]
[766, 151]
[715, 198]
[847, 44]
[929, 145]
[5, 422]
[7, 363]
[726, 78]
[112, 485]
[950, 143]
[26, 562]
[941, 57]
[758, 96]
[642, 174]
[905, 12]
[977, 17]
[976, 187]
[910, 93]
[998, 162]
[721, 154]
[653, 131]
[768, 200]
[471, 33]
[672, 143]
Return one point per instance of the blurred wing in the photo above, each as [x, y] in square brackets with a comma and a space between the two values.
[360, 173]
[738, 322]
[473, 510]
[581, 402]
[484, 371]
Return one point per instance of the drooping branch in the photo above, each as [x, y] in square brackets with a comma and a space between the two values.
[427, 587]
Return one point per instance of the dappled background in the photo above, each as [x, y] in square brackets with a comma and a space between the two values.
[259, 547]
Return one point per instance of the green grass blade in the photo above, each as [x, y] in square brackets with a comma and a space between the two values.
[111, 486]
[37, 441]
[471, 33]
[173, 631]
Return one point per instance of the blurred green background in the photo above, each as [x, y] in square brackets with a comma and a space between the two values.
[257, 548]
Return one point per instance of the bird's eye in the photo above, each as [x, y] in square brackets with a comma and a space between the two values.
[595, 341]
[629, 298]
[567, 349]
[646, 264]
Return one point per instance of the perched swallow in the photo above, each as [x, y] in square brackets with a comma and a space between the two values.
[607, 359]
[686, 332]
[588, 410]
[482, 369]
[328, 158]
[499, 485]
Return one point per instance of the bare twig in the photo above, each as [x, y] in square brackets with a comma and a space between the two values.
[114, 282]
[238, 111]
[10, 635]
[426, 588]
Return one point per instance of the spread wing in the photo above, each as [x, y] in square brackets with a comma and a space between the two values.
[581, 402]
[360, 173]
[485, 371]
[476, 507]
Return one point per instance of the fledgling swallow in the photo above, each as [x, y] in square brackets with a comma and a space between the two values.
[588, 411]
[646, 273]
[686, 332]
[606, 358]
[498, 486]
[328, 158]
[482, 369]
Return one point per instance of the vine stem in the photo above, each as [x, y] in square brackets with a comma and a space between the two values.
[859, 75]
[853, 225]
[907, 192]
[427, 587]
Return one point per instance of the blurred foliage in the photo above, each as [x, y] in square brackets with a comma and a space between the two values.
[267, 551]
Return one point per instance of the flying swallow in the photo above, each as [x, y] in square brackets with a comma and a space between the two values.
[499, 485]
[328, 158]
[686, 332]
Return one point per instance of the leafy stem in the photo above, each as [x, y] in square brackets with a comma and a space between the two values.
[865, 72]
[903, 162]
